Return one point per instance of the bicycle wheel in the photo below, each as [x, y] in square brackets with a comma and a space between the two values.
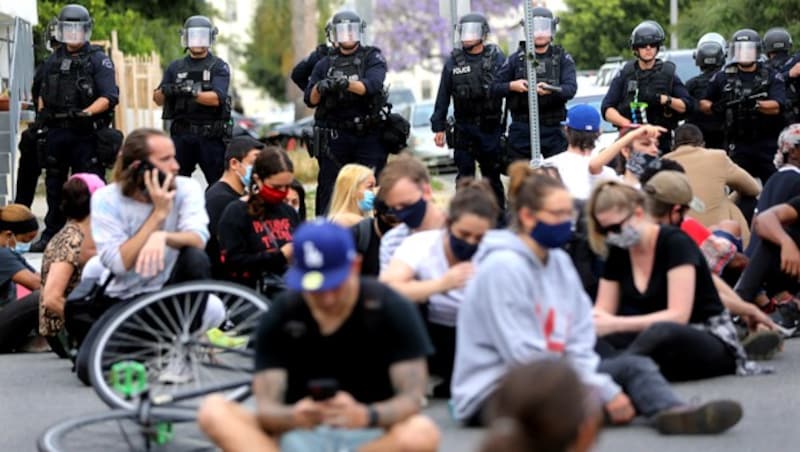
[120, 430]
[161, 342]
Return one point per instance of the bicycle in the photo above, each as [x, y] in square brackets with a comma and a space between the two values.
[142, 342]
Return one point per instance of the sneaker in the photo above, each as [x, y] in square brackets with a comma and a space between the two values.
[762, 345]
[39, 245]
[177, 371]
[711, 418]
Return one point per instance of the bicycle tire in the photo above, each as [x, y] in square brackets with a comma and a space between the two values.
[120, 430]
[142, 318]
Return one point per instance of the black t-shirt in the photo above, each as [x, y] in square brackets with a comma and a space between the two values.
[218, 196]
[384, 328]
[250, 247]
[370, 255]
[673, 249]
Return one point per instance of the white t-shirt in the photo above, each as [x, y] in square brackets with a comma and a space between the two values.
[424, 253]
[574, 171]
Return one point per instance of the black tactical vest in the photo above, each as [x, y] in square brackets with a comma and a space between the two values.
[69, 83]
[658, 80]
[697, 87]
[792, 111]
[746, 124]
[470, 88]
[548, 70]
[181, 107]
[353, 67]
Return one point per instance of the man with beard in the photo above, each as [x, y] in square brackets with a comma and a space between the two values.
[194, 94]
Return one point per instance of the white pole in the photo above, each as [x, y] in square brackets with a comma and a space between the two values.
[673, 21]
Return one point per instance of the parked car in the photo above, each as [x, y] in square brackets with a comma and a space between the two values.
[420, 143]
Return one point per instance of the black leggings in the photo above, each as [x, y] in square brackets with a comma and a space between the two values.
[682, 352]
[441, 362]
[18, 319]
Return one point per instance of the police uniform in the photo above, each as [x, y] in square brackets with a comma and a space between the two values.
[783, 64]
[661, 79]
[302, 71]
[554, 67]
[71, 82]
[750, 135]
[349, 120]
[199, 132]
[29, 169]
[713, 127]
[468, 79]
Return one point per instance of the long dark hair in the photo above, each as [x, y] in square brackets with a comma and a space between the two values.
[271, 161]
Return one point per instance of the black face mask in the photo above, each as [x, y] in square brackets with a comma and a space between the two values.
[383, 225]
[462, 250]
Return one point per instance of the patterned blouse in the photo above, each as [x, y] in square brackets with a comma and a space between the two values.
[65, 246]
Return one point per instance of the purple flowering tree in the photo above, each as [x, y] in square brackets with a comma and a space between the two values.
[411, 32]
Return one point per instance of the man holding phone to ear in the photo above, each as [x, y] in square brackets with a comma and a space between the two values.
[340, 362]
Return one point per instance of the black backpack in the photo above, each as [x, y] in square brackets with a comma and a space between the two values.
[396, 130]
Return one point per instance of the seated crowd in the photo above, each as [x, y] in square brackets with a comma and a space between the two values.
[604, 287]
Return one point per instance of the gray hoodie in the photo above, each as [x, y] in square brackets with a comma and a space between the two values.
[518, 310]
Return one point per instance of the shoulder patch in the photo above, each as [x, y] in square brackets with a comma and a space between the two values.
[568, 57]
[107, 63]
[379, 57]
[779, 77]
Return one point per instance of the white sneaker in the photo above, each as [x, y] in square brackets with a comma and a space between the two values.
[177, 371]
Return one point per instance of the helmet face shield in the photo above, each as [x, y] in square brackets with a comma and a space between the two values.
[196, 37]
[73, 32]
[470, 31]
[347, 32]
[542, 27]
[745, 52]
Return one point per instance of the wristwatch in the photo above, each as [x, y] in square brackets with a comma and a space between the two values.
[372, 414]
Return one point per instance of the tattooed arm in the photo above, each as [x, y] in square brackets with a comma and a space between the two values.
[410, 379]
[275, 417]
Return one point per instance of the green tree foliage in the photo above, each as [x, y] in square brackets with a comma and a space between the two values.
[725, 17]
[593, 30]
[270, 56]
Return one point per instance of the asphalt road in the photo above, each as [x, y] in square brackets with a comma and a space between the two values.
[38, 390]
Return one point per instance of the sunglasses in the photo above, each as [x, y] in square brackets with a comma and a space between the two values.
[643, 46]
[612, 228]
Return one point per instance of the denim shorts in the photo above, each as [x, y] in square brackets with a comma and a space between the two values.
[328, 439]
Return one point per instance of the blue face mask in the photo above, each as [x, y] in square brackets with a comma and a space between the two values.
[367, 203]
[552, 235]
[22, 247]
[412, 215]
[462, 250]
[248, 176]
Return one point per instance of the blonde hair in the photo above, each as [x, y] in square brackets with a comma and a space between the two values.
[345, 191]
[609, 195]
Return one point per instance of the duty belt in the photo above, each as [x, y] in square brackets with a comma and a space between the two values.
[209, 129]
[359, 124]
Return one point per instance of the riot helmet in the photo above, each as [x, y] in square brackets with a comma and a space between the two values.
[648, 32]
[544, 24]
[347, 28]
[777, 40]
[745, 47]
[198, 31]
[74, 25]
[710, 51]
[472, 27]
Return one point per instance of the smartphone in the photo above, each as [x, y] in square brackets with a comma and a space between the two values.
[144, 168]
[323, 389]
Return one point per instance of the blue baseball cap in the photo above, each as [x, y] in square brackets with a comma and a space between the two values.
[583, 117]
[323, 257]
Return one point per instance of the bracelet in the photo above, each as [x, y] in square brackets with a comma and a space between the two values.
[372, 416]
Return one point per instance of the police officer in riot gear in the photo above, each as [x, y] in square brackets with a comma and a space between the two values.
[647, 90]
[77, 98]
[748, 96]
[467, 77]
[346, 88]
[194, 94]
[777, 46]
[554, 68]
[709, 56]
[302, 70]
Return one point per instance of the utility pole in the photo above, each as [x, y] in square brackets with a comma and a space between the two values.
[673, 22]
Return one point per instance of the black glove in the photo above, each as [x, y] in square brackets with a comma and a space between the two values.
[325, 86]
[749, 103]
[718, 107]
[188, 88]
[168, 89]
[340, 84]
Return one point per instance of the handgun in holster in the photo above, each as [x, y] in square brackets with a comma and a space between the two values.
[319, 142]
[450, 132]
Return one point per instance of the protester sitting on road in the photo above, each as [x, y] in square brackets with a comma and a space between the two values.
[368, 234]
[296, 198]
[656, 297]
[353, 195]
[525, 304]
[150, 228]
[582, 129]
[521, 414]
[339, 359]
[711, 172]
[668, 196]
[255, 235]
[236, 180]
[432, 267]
[635, 150]
[18, 314]
[405, 187]
[67, 252]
